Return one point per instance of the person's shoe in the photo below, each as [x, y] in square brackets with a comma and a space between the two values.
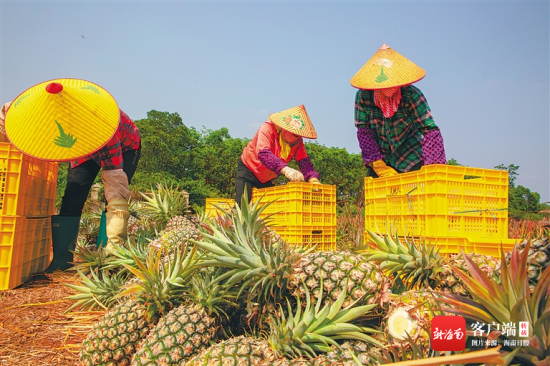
[64, 234]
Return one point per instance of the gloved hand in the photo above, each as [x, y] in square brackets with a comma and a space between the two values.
[292, 174]
[382, 169]
[314, 181]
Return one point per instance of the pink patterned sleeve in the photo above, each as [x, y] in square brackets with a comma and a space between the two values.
[306, 167]
[433, 150]
[269, 159]
[369, 148]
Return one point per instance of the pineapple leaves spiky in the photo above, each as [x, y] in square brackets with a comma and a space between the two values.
[509, 302]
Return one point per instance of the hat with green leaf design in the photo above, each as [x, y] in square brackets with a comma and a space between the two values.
[62, 119]
[296, 121]
[387, 69]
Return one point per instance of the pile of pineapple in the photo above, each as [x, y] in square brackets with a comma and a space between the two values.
[187, 290]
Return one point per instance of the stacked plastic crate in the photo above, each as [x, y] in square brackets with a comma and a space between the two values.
[27, 201]
[450, 206]
[302, 214]
[217, 206]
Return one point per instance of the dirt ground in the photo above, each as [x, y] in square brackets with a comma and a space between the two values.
[34, 326]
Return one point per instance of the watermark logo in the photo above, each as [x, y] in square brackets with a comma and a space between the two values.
[448, 333]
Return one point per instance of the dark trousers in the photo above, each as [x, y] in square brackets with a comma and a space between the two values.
[372, 173]
[81, 178]
[245, 181]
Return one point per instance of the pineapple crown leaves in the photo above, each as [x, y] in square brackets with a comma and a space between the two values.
[126, 254]
[509, 302]
[164, 202]
[415, 264]
[211, 294]
[90, 259]
[64, 139]
[241, 249]
[315, 329]
[97, 291]
[159, 287]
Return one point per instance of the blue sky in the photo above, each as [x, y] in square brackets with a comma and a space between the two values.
[231, 64]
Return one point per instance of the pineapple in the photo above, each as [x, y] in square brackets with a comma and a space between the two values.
[304, 333]
[117, 336]
[163, 203]
[509, 302]
[538, 259]
[419, 265]
[273, 269]
[190, 327]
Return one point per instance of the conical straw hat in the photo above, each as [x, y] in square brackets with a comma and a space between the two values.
[387, 69]
[295, 120]
[62, 119]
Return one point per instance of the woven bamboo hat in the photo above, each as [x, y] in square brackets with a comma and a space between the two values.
[295, 120]
[62, 119]
[387, 69]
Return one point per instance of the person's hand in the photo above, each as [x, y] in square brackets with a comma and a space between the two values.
[292, 174]
[382, 170]
[314, 181]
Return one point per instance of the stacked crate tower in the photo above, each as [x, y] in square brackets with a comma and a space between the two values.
[27, 202]
[303, 214]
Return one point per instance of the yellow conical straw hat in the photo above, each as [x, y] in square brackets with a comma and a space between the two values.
[62, 119]
[295, 120]
[387, 69]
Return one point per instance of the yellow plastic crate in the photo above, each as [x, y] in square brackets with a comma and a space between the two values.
[299, 204]
[440, 201]
[322, 237]
[25, 246]
[27, 185]
[213, 206]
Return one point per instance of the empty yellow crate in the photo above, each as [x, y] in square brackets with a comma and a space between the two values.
[27, 185]
[214, 206]
[25, 246]
[322, 237]
[297, 204]
[440, 201]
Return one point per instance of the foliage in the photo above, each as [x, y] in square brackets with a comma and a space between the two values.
[524, 204]
[512, 173]
[527, 229]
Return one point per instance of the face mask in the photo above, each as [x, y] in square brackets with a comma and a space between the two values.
[289, 137]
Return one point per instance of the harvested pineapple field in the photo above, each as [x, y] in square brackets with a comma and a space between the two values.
[34, 328]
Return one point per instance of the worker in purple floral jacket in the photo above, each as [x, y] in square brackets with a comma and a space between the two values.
[395, 128]
[276, 143]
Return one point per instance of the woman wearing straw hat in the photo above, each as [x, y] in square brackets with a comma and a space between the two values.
[395, 128]
[80, 122]
[276, 143]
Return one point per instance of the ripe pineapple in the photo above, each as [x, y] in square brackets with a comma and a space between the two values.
[190, 327]
[273, 269]
[305, 333]
[158, 289]
[116, 336]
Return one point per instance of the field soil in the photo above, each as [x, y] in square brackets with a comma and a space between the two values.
[35, 328]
